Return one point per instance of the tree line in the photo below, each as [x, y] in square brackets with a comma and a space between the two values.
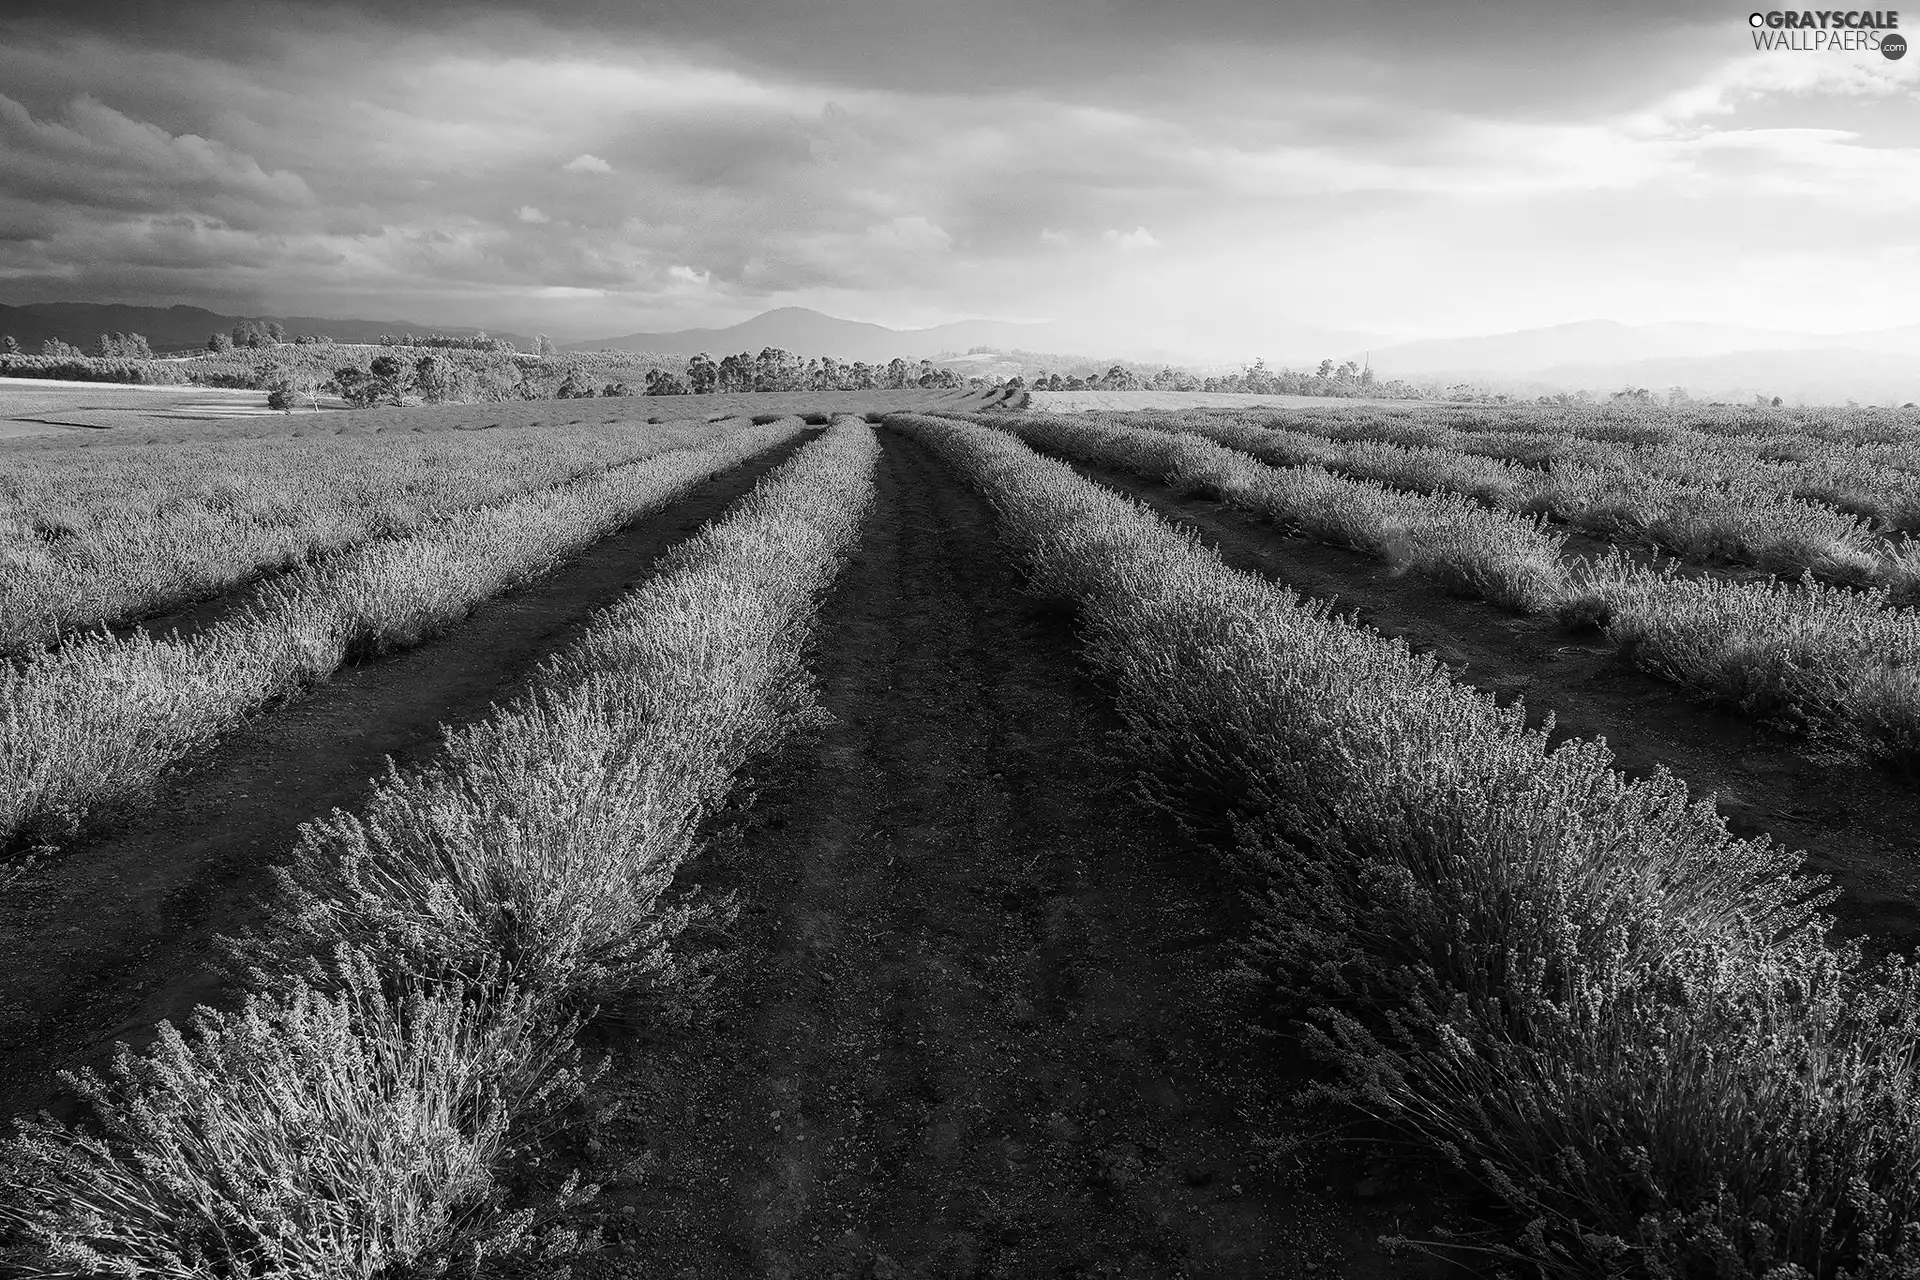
[108, 346]
[775, 369]
[438, 367]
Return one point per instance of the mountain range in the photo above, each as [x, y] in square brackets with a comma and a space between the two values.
[810, 333]
[1709, 360]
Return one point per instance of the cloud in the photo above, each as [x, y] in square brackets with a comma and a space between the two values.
[97, 157]
[361, 159]
[913, 234]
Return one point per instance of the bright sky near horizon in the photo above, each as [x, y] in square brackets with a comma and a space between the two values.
[1185, 173]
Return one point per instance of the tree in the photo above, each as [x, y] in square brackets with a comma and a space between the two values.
[10, 345]
[736, 373]
[287, 385]
[62, 349]
[896, 373]
[253, 334]
[434, 377]
[276, 332]
[702, 374]
[776, 369]
[543, 345]
[355, 387]
[389, 378]
[1325, 370]
[220, 343]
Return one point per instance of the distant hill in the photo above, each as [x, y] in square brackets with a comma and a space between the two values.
[809, 333]
[1607, 342]
[1829, 376]
[1708, 360]
[172, 329]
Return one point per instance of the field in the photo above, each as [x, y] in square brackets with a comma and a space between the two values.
[38, 406]
[1173, 401]
[900, 834]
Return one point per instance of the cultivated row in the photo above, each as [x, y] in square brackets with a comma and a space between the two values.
[1701, 504]
[104, 716]
[374, 1107]
[109, 534]
[1821, 659]
[1576, 986]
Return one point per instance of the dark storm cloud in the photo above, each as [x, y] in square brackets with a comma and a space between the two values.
[1469, 49]
[93, 156]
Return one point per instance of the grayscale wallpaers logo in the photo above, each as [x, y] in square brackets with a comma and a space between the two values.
[1829, 31]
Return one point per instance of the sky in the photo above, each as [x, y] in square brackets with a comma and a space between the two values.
[1217, 172]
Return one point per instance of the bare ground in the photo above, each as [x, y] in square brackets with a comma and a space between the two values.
[116, 933]
[972, 1023]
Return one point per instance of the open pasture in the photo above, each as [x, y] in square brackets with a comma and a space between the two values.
[36, 406]
[900, 834]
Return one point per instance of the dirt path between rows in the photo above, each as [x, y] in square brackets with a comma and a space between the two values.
[116, 933]
[973, 1024]
[1857, 821]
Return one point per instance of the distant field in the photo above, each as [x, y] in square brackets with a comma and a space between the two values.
[1073, 401]
[39, 406]
[47, 411]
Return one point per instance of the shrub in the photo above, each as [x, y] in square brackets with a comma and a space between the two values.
[311, 1136]
[1577, 987]
[108, 716]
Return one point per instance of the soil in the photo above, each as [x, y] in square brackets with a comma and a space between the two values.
[972, 1020]
[112, 935]
[1854, 819]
